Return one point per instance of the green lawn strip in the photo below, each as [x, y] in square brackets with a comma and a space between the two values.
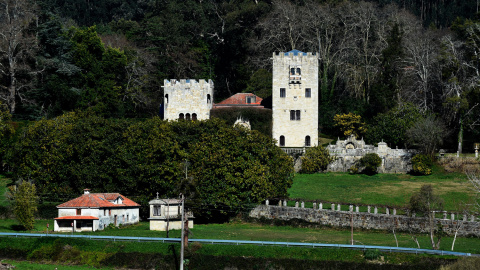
[380, 189]
[258, 232]
[26, 265]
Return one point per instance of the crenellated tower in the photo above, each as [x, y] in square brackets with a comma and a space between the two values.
[295, 99]
[187, 99]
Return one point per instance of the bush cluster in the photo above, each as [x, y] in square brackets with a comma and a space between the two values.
[422, 165]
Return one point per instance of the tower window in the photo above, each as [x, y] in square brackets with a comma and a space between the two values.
[283, 92]
[194, 116]
[307, 140]
[292, 71]
[187, 116]
[308, 92]
[295, 115]
[181, 116]
[299, 72]
[166, 98]
[282, 140]
[209, 99]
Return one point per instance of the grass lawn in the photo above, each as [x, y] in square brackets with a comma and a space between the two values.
[25, 265]
[249, 231]
[381, 189]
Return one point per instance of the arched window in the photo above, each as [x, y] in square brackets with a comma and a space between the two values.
[307, 140]
[187, 116]
[209, 99]
[292, 71]
[194, 116]
[282, 140]
[181, 116]
[299, 72]
[166, 98]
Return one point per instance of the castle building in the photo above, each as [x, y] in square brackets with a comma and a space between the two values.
[295, 99]
[187, 99]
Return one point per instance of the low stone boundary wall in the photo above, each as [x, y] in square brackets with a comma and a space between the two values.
[366, 220]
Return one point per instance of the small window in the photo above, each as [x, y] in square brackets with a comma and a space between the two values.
[79, 212]
[307, 140]
[181, 116]
[308, 92]
[282, 140]
[187, 116]
[297, 115]
[166, 98]
[194, 116]
[292, 115]
[209, 99]
[283, 92]
[249, 100]
[299, 72]
[292, 71]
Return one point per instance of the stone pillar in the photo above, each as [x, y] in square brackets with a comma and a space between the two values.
[266, 202]
[387, 211]
[444, 214]
[296, 204]
[333, 207]
[464, 217]
[472, 218]
[285, 203]
[394, 211]
[314, 205]
[375, 210]
[357, 209]
[303, 204]
[339, 208]
[369, 209]
[320, 206]
[452, 216]
[280, 203]
[351, 208]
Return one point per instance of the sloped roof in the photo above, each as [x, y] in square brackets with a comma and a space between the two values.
[295, 52]
[78, 217]
[240, 99]
[98, 200]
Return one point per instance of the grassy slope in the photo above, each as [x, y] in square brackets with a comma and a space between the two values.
[382, 189]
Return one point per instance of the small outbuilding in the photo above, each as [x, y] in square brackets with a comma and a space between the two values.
[95, 211]
[166, 214]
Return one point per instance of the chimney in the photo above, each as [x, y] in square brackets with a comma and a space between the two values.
[86, 191]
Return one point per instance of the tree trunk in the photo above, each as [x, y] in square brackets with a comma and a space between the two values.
[460, 136]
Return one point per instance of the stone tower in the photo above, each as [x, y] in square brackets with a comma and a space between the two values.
[295, 99]
[187, 99]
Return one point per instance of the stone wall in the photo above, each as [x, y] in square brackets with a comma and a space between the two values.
[350, 151]
[189, 98]
[469, 226]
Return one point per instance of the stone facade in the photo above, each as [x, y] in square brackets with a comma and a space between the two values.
[366, 220]
[187, 99]
[349, 151]
[295, 99]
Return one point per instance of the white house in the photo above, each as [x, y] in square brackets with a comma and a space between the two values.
[95, 211]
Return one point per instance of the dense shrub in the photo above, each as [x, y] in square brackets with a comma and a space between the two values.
[422, 165]
[369, 163]
[316, 159]
[219, 168]
[372, 254]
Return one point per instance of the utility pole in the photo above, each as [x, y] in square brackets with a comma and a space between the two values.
[183, 233]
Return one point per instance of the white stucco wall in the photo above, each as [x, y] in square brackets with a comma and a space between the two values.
[106, 216]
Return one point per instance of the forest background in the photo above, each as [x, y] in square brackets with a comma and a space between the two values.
[394, 63]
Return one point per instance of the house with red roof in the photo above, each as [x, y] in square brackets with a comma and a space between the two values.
[95, 211]
[240, 100]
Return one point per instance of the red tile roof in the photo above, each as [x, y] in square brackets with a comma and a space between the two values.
[77, 217]
[98, 200]
[240, 99]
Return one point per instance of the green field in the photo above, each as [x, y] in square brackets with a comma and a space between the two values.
[380, 189]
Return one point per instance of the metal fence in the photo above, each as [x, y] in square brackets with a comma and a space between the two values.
[244, 242]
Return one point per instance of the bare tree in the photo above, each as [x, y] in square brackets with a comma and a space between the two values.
[17, 47]
[474, 178]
